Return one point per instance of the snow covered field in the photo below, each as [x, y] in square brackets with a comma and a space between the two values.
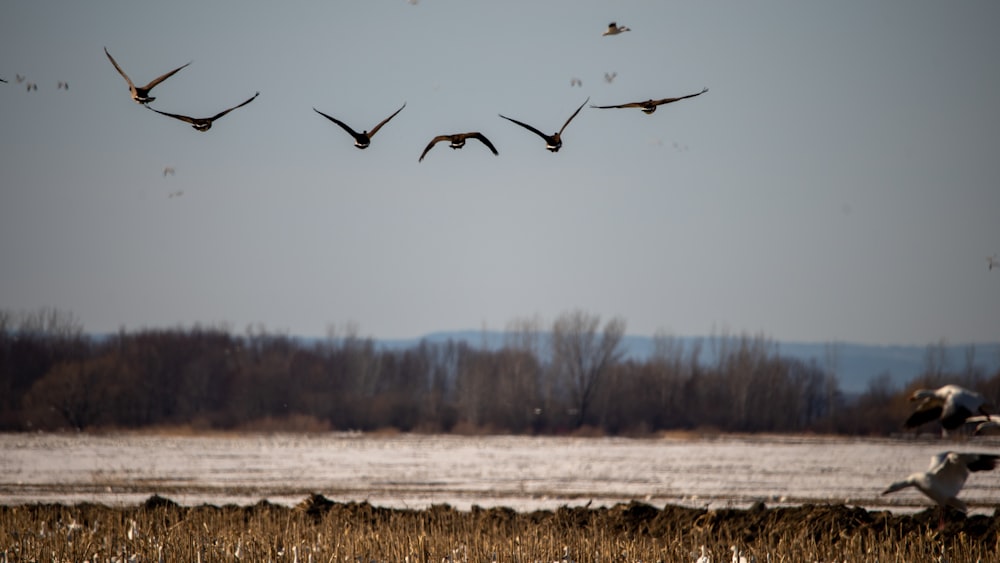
[524, 473]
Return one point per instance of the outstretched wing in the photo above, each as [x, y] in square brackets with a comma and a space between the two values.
[384, 121]
[224, 112]
[343, 125]
[628, 105]
[574, 115]
[191, 120]
[431, 144]
[670, 100]
[118, 68]
[526, 126]
[927, 411]
[163, 77]
[481, 137]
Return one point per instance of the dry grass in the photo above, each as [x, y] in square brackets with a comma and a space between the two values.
[324, 532]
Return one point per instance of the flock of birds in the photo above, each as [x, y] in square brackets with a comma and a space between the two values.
[953, 407]
[141, 95]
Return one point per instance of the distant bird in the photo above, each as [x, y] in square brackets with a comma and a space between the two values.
[945, 478]
[203, 123]
[609, 77]
[575, 82]
[649, 106]
[32, 87]
[457, 141]
[950, 404]
[19, 78]
[363, 139]
[178, 193]
[992, 262]
[62, 85]
[705, 557]
[141, 94]
[553, 142]
[2, 80]
[615, 29]
[168, 170]
[738, 556]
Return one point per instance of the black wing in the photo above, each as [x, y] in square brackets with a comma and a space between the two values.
[118, 68]
[431, 144]
[224, 112]
[923, 416]
[481, 137]
[384, 121]
[163, 77]
[574, 115]
[669, 100]
[526, 126]
[191, 120]
[343, 125]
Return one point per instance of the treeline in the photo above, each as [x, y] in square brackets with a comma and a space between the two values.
[571, 376]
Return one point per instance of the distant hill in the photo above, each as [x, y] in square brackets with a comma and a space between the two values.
[856, 365]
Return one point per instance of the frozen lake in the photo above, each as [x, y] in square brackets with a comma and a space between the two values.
[524, 473]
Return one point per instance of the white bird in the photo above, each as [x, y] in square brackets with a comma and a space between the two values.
[738, 556]
[950, 404]
[705, 557]
[615, 29]
[945, 478]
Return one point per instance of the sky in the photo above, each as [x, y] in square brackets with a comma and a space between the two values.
[839, 181]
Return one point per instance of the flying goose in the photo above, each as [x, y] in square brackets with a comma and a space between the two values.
[364, 138]
[951, 405]
[141, 94]
[2, 80]
[553, 142]
[945, 478]
[457, 141]
[649, 106]
[615, 29]
[992, 262]
[203, 123]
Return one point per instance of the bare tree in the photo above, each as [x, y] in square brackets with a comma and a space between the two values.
[582, 357]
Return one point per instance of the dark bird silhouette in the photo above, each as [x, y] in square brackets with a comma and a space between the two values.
[62, 85]
[2, 80]
[553, 142]
[649, 106]
[203, 123]
[457, 141]
[364, 138]
[951, 405]
[141, 94]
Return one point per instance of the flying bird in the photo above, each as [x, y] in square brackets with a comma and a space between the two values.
[951, 405]
[168, 170]
[649, 106]
[575, 82]
[2, 80]
[457, 141]
[609, 77]
[141, 94]
[62, 85]
[945, 478]
[203, 123]
[553, 142]
[992, 262]
[986, 425]
[615, 29]
[364, 138]
[19, 78]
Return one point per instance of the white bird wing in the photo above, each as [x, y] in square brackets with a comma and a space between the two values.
[949, 471]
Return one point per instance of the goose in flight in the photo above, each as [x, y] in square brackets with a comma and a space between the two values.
[364, 138]
[615, 29]
[141, 93]
[203, 123]
[649, 106]
[457, 141]
[2, 80]
[945, 478]
[951, 405]
[553, 142]
[992, 262]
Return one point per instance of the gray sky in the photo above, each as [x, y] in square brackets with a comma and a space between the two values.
[839, 181]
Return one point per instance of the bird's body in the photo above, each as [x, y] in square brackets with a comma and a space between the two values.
[203, 123]
[553, 142]
[649, 106]
[364, 138]
[992, 262]
[950, 404]
[457, 141]
[615, 29]
[986, 425]
[140, 94]
[946, 476]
